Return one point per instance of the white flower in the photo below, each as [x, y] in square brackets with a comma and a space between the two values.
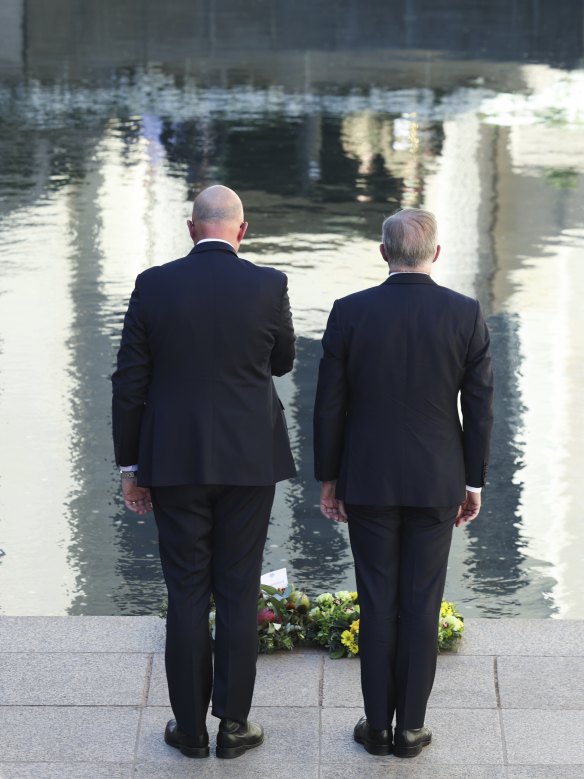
[326, 599]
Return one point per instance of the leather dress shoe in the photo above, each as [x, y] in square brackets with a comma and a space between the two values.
[409, 743]
[191, 746]
[235, 738]
[376, 742]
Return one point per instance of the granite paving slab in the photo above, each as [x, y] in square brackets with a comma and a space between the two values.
[290, 679]
[66, 771]
[68, 734]
[464, 682]
[398, 768]
[241, 768]
[461, 681]
[541, 682]
[38, 679]
[545, 772]
[535, 737]
[290, 732]
[461, 737]
[530, 637]
[341, 685]
[82, 634]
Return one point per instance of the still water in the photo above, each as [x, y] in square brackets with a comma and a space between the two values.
[114, 114]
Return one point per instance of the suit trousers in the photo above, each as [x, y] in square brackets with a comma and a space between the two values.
[211, 540]
[401, 556]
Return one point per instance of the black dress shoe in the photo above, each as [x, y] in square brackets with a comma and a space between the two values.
[376, 742]
[191, 746]
[234, 739]
[409, 743]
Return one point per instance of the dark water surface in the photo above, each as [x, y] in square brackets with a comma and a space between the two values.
[324, 118]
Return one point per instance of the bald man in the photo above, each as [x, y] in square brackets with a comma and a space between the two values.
[200, 436]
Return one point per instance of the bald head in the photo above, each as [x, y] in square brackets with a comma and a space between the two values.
[217, 204]
[218, 213]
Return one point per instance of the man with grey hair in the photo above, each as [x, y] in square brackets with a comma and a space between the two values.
[200, 435]
[395, 462]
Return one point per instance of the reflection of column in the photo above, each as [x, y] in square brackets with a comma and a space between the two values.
[36, 576]
[548, 296]
[93, 543]
[140, 213]
[453, 193]
[462, 194]
[12, 35]
[539, 229]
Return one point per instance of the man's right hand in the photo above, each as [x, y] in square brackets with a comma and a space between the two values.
[469, 509]
[331, 507]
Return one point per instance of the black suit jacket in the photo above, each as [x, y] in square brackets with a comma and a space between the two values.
[193, 396]
[386, 421]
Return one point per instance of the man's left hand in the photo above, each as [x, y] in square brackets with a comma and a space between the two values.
[136, 498]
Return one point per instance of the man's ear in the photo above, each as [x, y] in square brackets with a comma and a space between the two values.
[437, 253]
[383, 252]
[192, 231]
[242, 231]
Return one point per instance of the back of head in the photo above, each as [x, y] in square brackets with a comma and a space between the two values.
[409, 238]
[217, 205]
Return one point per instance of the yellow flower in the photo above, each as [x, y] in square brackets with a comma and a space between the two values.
[349, 640]
[354, 596]
[355, 626]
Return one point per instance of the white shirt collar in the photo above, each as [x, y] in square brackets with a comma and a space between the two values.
[217, 240]
[397, 272]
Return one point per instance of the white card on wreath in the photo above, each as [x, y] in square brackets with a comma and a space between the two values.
[276, 579]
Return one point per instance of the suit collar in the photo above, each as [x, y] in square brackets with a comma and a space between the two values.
[410, 278]
[212, 246]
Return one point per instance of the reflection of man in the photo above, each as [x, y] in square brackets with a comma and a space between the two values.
[195, 406]
[387, 431]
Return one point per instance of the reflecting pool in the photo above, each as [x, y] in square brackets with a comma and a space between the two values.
[324, 123]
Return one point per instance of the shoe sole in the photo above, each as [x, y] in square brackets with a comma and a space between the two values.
[228, 753]
[374, 749]
[411, 751]
[189, 751]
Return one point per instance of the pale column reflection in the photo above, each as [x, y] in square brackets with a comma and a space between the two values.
[141, 210]
[36, 481]
[453, 192]
[549, 298]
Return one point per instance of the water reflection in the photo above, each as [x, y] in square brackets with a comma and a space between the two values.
[101, 151]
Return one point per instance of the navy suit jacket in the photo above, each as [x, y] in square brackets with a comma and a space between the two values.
[397, 357]
[193, 397]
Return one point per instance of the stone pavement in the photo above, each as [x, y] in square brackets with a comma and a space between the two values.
[85, 698]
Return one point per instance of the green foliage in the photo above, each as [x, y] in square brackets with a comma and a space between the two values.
[450, 626]
[286, 617]
[561, 178]
[331, 622]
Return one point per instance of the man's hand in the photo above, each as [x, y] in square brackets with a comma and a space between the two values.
[469, 510]
[137, 499]
[331, 507]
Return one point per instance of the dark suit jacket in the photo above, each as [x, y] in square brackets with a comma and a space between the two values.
[386, 422]
[193, 396]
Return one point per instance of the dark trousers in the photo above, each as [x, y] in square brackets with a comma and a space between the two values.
[211, 541]
[401, 555]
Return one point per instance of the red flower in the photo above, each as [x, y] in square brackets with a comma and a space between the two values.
[266, 615]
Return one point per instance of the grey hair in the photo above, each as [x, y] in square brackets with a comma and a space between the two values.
[409, 237]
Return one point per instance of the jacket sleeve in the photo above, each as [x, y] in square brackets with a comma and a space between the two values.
[284, 350]
[330, 408]
[131, 382]
[476, 402]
